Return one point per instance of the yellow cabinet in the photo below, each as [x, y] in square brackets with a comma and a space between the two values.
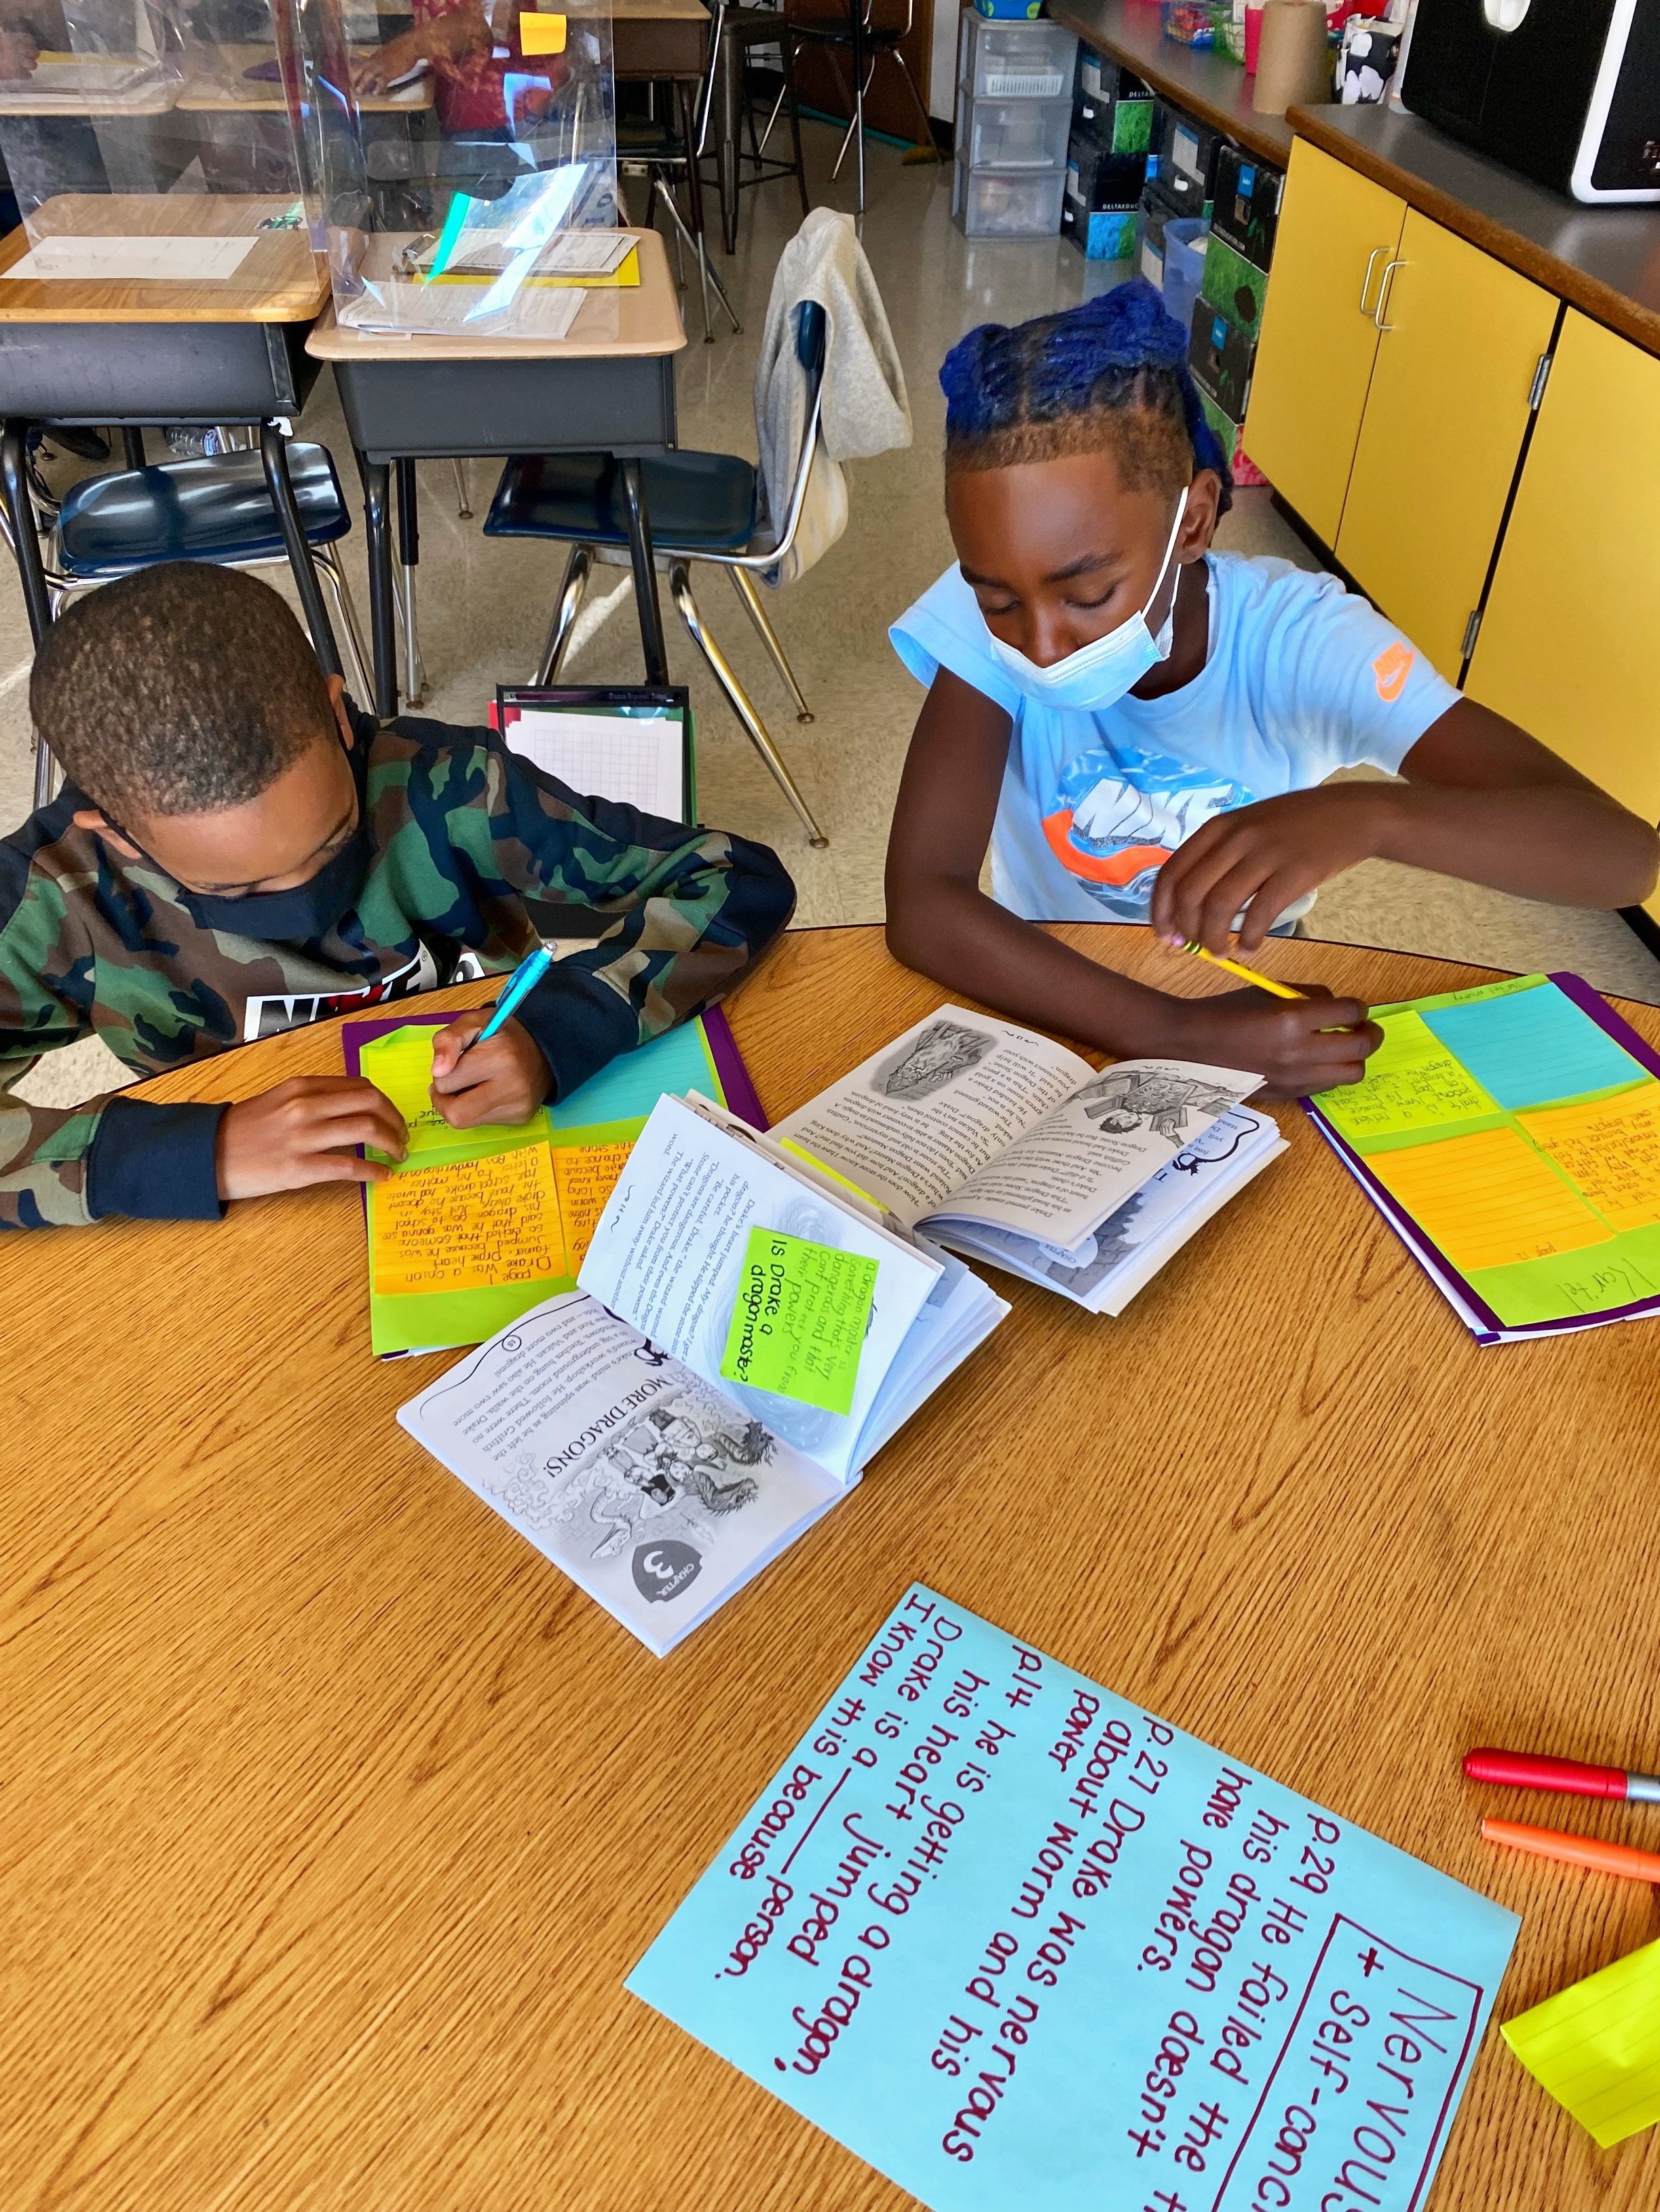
[1314, 362]
[1567, 645]
[1462, 338]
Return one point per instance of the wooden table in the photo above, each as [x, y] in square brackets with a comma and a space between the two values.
[609, 387]
[1197, 78]
[335, 1816]
[217, 85]
[134, 353]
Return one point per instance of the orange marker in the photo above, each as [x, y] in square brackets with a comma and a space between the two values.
[1575, 1851]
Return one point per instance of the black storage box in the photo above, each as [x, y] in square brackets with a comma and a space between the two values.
[1247, 203]
[1098, 177]
[1221, 356]
[1185, 147]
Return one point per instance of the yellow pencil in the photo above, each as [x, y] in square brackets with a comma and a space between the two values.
[1245, 975]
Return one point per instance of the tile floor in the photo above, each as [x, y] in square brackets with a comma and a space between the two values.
[484, 605]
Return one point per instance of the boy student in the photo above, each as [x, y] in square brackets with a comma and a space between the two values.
[234, 854]
[1142, 727]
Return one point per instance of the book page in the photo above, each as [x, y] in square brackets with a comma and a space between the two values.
[667, 1255]
[652, 1491]
[929, 1108]
[1080, 1163]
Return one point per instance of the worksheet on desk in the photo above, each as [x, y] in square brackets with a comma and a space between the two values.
[1018, 1942]
[134, 260]
[638, 760]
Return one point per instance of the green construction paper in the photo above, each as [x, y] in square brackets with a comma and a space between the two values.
[400, 1065]
[1595, 2046]
[799, 1324]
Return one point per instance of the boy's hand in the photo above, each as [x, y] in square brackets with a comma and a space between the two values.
[504, 1079]
[305, 1130]
[1300, 1045]
[1262, 859]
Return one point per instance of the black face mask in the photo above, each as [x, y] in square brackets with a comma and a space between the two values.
[309, 910]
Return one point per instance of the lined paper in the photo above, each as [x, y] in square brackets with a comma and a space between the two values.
[1595, 2047]
[1488, 1200]
[1611, 1149]
[469, 1225]
[1533, 1048]
[1412, 1081]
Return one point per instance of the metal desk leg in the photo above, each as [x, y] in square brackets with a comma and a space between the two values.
[273, 449]
[383, 637]
[14, 474]
[408, 558]
[645, 574]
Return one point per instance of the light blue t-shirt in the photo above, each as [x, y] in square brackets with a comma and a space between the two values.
[1300, 679]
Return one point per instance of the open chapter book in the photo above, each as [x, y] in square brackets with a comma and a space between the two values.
[627, 1444]
[1005, 1145]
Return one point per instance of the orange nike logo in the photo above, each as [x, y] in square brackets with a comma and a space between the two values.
[1117, 868]
[1391, 669]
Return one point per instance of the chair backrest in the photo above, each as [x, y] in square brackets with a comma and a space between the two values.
[812, 343]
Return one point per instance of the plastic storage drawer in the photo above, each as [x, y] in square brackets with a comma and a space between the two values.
[1185, 240]
[1008, 203]
[1014, 134]
[1016, 61]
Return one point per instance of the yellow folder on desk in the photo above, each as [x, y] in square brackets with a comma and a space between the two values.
[626, 275]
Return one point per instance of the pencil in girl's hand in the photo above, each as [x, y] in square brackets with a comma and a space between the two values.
[1238, 968]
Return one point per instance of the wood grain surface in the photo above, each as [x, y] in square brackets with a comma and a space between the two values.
[612, 321]
[334, 1816]
[280, 280]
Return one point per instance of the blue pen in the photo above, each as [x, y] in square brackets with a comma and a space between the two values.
[523, 979]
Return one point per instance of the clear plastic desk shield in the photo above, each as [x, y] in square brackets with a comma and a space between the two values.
[491, 214]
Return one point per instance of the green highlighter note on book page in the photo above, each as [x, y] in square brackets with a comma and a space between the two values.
[477, 1225]
[1511, 1136]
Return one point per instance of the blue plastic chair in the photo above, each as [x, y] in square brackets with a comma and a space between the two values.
[703, 507]
[217, 508]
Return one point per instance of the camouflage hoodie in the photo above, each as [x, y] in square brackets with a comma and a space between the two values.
[460, 834]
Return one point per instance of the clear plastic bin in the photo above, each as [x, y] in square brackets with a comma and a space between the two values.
[1186, 238]
[1015, 61]
[1008, 203]
[1014, 134]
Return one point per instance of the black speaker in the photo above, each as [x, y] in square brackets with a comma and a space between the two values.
[1567, 91]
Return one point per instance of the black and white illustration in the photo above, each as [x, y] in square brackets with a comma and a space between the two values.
[935, 1057]
[1128, 1099]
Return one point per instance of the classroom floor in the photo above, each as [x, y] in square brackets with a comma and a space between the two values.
[484, 604]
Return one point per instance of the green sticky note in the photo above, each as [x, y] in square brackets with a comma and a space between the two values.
[1412, 1081]
[799, 1325]
[1595, 2047]
[400, 1065]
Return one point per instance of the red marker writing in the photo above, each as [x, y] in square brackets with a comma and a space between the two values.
[1527, 1769]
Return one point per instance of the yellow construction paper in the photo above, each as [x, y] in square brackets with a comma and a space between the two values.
[1412, 1081]
[400, 1064]
[1611, 1149]
[585, 1177]
[467, 1225]
[1488, 1200]
[1595, 2047]
[541, 34]
[625, 275]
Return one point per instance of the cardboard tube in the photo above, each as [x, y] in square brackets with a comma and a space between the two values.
[1294, 62]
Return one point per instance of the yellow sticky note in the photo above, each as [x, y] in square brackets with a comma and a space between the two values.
[400, 1064]
[585, 1177]
[541, 34]
[467, 1224]
[1488, 1200]
[1412, 1081]
[1595, 2047]
[1611, 1149]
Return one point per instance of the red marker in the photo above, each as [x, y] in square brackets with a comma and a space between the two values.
[1527, 1769]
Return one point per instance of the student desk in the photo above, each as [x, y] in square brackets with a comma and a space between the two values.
[336, 1815]
[609, 387]
[157, 352]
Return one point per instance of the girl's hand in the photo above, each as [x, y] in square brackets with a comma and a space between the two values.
[1260, 859]
[504, 1080]
[1299, 1045]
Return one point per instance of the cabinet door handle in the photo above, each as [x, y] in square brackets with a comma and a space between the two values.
[1384, 290]
[1366, 281]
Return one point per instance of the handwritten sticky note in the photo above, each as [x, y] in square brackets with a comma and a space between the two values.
[541, 34]
[1595, 2047]
[1488, 1200]
[400, 1064]
[585, 1177]
[1611, 1149]
[799, 1325]
[1412, 1081]
[467, 1224]
[1533, 1048]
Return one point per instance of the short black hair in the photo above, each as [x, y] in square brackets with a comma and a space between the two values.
[182, 689]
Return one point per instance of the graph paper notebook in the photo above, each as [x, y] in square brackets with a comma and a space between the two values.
[633, 746]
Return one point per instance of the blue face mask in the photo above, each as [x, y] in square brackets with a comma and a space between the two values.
[1096, 676]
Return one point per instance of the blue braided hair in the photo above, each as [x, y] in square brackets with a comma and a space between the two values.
[1112, 372]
